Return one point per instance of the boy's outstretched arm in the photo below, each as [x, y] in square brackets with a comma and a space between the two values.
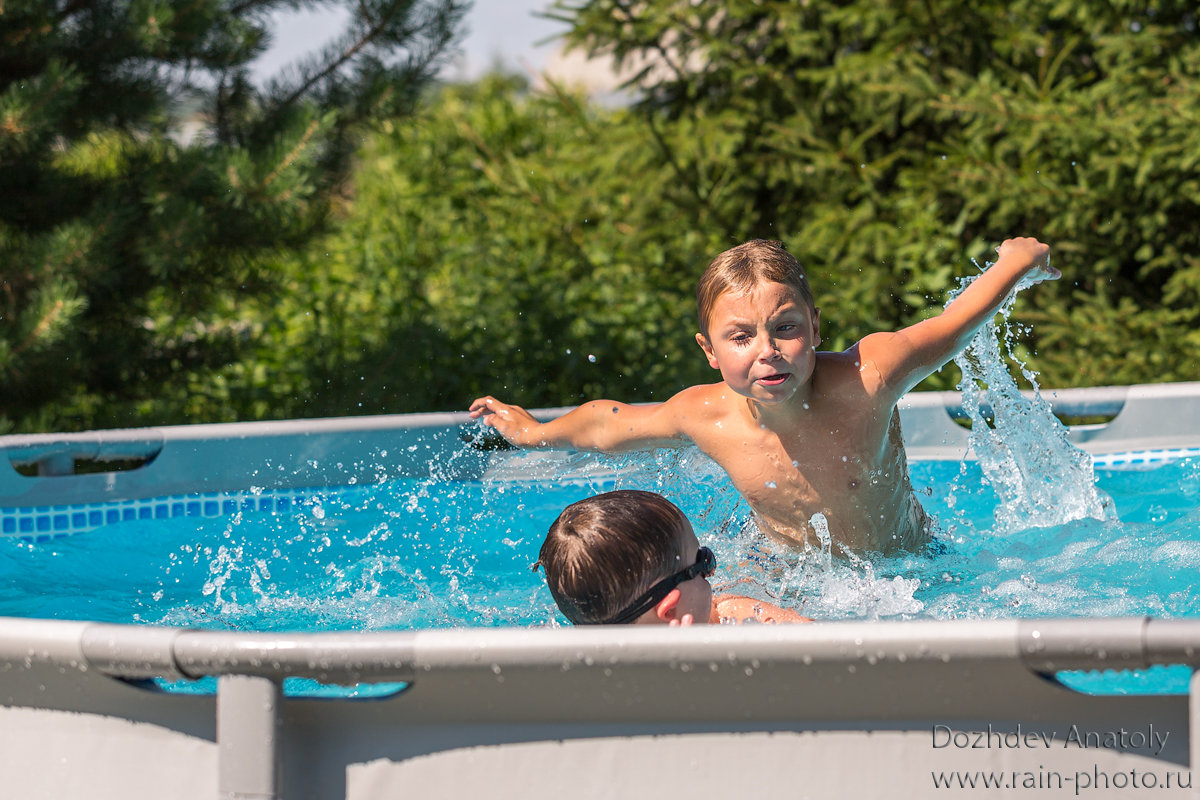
[602, 425]
[905, 358]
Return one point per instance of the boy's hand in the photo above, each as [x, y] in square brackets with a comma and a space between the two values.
[1030, 256]
[903, 359]
[512, 422]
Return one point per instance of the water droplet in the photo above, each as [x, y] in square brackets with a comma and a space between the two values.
[591, 358]
[771, 485]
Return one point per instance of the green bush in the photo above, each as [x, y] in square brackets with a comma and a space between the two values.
[149, 185]
[888, 143]
[544, 248]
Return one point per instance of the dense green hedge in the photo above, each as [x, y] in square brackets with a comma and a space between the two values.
[890, 142]
[511, 235]
[544, 248]
[148, 183]
[505, 242]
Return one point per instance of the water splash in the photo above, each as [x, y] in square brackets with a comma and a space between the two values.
[820, 526]
[813, 582]
[1041, 479]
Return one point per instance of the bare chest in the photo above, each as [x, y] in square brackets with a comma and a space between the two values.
[850, 469]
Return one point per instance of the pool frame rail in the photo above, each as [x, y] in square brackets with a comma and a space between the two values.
[483, 710]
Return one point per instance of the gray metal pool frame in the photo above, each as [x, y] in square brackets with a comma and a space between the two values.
[834, 709]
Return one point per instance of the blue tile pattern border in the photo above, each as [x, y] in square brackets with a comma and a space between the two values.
[1144, 457]
[46, 522]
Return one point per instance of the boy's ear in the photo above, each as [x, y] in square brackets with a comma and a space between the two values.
[816, 321]
[668, 608]
[702, 340]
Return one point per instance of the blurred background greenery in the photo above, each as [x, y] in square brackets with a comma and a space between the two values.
[181, 244]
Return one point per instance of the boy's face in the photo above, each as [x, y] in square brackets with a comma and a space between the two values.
[695, 595]
[763, 341]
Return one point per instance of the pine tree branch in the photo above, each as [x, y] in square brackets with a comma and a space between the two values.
[287, 160]
[70, 9]
[238, 9]
[657, 46]
[39, 330]
[376, 28]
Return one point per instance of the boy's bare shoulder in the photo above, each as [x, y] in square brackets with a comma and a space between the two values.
[700, 397]
[699, 404]
[835, 368]
[852, 373]
[879, 346]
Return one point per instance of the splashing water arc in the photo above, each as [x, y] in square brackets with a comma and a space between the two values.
[1041, 479]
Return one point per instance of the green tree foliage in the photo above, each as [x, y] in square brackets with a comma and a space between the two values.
[888, 142]
[501, 241]
[498, 238]
[148, 185]
[505, 238]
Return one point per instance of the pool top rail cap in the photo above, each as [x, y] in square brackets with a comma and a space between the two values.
[703, 674]
[1042, 645]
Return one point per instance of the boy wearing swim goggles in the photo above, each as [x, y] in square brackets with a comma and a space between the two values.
[631, 557]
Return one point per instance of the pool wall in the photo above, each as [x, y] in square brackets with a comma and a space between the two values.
[833, 709]
[841, 709]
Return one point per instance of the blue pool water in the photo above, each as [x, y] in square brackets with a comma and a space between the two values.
[1033, 528]
[415, 553]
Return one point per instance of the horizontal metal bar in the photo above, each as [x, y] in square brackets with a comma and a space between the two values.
[328, 657]
[129, 651]
[1099, 401]
[236, 430]
[1087, 401]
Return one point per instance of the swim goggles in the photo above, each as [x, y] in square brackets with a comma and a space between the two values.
[706, 565]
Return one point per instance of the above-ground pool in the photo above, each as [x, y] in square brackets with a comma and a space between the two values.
[379, 569]
[433, 552]
[345, 608]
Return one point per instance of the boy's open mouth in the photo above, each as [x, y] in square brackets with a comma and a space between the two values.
[773, 380]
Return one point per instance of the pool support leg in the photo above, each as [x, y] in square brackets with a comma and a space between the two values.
[248, 728]
[1194, 730]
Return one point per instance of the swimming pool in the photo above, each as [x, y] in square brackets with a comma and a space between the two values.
[430, 552]
[486, 708]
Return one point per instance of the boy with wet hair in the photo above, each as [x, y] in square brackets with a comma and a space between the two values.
[631, 557]
[809, 438]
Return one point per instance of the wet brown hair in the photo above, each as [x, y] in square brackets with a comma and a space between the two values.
[741, 268]
[604, 551]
